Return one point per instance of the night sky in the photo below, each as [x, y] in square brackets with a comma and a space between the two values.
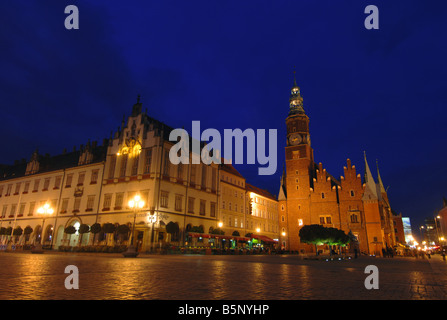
[230, 65]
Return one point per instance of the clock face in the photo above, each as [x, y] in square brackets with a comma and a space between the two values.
[295, 139]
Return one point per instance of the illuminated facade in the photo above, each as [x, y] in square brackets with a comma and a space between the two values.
[310, 195]
[93, 185]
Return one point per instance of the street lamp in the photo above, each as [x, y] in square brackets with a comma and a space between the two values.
[135, 204]
[44, 211]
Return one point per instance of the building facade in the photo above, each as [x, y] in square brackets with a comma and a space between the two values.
[308, 194]
[94, 185]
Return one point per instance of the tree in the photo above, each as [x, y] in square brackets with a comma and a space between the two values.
[70, 230]
[122, 230]
[198, 229]
[218, 231]
[17, 232]
[318, 235]
[235, 233]
[95, 229]
[173, 229]
[108, 228]
[83, 228]
[27, 231]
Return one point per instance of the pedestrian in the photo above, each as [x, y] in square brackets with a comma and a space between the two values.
[429, 254]
[443, 254]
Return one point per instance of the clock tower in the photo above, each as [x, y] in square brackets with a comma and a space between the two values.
[299, 169]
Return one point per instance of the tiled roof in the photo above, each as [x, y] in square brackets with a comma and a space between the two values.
[261, 192]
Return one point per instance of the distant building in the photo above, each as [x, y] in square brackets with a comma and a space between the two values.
[407, 230]
[399, 229]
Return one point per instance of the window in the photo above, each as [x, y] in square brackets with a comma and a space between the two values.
[180, 171]
[283, 218]
[352, 193]
[213, 179]
[69, 180]
[13, 210]
[107, 201]
[5, 208]
[46, 184]
[354, 218]
[81, 178]
[64, 207]
[119, 201]
[57, 182]
[178, 202]
[164, 199]
[204, 176]
[123, 165]
[166, 163]
[17, 188]
[191, 205]
[77, 205]
[193, 174]
[202, 207]
[322, 195]
[90, 203]
[325, 220]
[8, 190]
[21, 209]
[32, 205]
[212, 209]
[135, 166]
[223, 204]
[36, 186]
[94, 176]
[112, 167]
[147, 160]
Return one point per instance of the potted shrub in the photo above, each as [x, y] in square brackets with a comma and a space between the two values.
[95, 229]
[83, 228]
[70, 230]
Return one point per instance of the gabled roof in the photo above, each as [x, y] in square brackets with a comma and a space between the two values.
[230, 169]
[261, 192]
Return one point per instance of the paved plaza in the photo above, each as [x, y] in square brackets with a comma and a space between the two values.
[199, 277]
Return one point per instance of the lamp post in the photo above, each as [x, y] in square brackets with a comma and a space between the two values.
[135, 204]
[420, 231]
[44, 211]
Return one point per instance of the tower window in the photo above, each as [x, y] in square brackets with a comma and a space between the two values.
[322, 195]
[352, 193]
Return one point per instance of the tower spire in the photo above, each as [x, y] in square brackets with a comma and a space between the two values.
[371, 189]
[382, 188]
[295, 100]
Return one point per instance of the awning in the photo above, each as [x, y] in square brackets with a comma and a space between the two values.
[264, 238]
[199, 235]
[217, 236]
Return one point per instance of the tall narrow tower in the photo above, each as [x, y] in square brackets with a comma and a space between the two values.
[299, 168]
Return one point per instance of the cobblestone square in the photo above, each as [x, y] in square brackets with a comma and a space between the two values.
[199, 277]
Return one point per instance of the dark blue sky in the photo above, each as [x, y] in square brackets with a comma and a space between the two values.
[230, 65]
